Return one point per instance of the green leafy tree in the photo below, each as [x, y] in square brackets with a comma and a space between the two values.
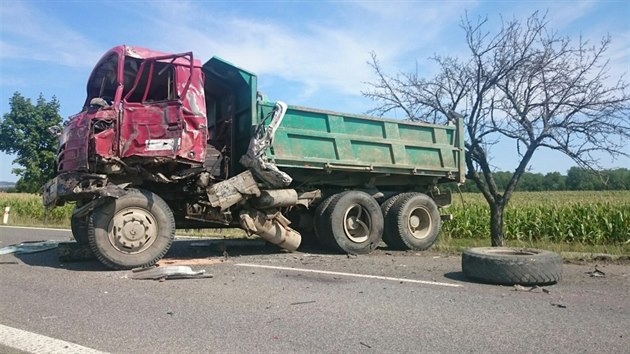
[554, 181]
[24, 133]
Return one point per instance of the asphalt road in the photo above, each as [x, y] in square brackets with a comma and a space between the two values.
[262, 300]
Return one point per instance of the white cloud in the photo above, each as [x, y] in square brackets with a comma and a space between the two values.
[27, 33]
[319, 53]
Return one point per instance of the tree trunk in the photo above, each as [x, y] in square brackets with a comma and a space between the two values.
[496, 224]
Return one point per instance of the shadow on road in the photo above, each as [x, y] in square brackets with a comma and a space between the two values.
[459, 276]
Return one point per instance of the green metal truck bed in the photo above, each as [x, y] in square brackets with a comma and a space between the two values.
[325, 147]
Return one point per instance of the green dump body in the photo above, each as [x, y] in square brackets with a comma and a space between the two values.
[339, 149]
[322, 149]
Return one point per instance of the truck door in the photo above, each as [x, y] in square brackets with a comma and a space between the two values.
[151, 122]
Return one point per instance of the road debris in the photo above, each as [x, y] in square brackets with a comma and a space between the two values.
[596, 273]
[168, 272]
[29, 247]
[559, 305]
[303, 302]
[365, 345]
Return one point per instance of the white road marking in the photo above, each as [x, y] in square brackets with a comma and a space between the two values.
[351, 275]
[36, 343]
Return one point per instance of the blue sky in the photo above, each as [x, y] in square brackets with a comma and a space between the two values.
[310, 53]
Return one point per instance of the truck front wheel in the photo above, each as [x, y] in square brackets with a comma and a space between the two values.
[135, 230]
[353, 223]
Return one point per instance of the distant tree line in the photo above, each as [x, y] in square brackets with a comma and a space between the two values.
[576, 179]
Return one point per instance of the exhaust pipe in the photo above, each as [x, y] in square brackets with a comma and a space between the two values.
[273, 228]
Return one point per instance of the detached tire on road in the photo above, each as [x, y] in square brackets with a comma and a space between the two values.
[135, 230]
[509, 266]
[352, 223]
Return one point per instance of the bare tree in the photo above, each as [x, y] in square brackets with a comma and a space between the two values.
[525, 83]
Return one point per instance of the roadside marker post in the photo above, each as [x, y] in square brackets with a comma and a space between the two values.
[5, 218]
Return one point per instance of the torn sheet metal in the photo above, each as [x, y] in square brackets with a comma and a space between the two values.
[255, 156]
[229, 192]
[29, 247]
[169, 272]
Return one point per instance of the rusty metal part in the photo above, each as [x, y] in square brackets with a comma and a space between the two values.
[276, 198]
[273, 228]
[76, 186]
[229, 192]
[307, 198]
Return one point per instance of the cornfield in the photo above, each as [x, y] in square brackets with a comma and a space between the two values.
[592, 218]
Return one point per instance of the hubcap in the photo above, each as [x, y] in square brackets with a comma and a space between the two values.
[357, 224]
[419, 223]
[132, 230]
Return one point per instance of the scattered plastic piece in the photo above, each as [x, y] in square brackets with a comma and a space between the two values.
[29, 247]
[169, 272]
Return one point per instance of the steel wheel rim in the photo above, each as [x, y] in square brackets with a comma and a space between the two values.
[419, 223]
[357, 223]
[132, 230]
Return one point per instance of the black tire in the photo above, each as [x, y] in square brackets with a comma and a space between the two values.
[319, 220]
[135, 230]
[386, 206]
[508, 266]
[364, 233]
[413, 222]
[79, 226]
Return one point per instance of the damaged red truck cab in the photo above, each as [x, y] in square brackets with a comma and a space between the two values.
[139, 103]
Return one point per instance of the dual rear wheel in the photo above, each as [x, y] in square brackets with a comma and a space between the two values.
[353, 222]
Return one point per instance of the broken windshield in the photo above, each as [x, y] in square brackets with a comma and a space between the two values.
[103, 82]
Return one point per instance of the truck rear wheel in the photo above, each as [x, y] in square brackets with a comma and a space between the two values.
[135, 230]
[413, 222]
[320, 220]
[386, 206]
[352, 223]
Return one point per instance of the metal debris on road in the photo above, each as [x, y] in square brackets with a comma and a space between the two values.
[169, 272]
[596, 273]
[29, 247]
